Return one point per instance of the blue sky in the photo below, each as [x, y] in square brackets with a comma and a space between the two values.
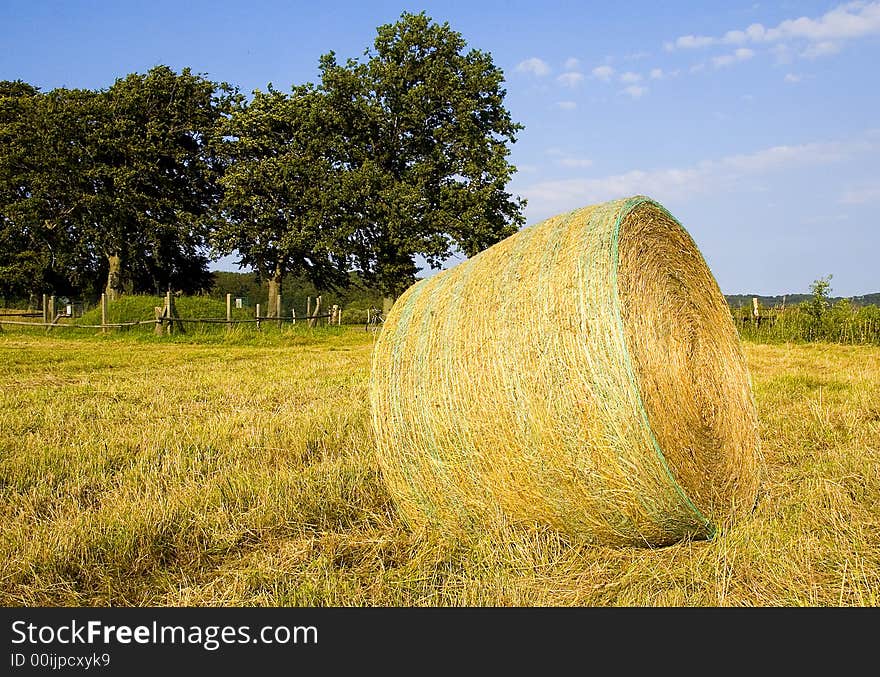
[757, 124]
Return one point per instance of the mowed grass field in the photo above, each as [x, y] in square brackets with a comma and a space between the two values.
[138, 471]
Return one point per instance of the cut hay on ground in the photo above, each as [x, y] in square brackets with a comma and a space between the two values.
[583, 374]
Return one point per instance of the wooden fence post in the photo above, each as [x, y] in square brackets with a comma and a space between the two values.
[51, 312]
[313, 317]
[229, 311]
[103, 313]
[169, 329]
[293, 315]
[45, 308]
[278, 309]
[258, 316]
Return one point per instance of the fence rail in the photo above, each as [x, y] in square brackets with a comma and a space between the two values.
[166, 317]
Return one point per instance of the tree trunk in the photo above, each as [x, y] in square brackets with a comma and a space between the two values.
[114, 277]
[274, 291]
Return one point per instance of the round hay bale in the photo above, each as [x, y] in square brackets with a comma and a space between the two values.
[583, 374]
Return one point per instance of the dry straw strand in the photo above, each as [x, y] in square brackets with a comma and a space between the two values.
[583, 374]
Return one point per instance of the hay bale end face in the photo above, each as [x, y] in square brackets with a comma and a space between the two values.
[583, 374]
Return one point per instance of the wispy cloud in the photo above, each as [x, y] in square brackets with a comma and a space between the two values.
[690, 42]
[630, 78]
[573, 162]
[535, 66]
[566, 105]
[849, 21]
[635, 91]
[741, 54]
[563, 159]
[824, 48]
[572, 63]
[603, 73]
[682, 183]
[793, 77]
[570, 78]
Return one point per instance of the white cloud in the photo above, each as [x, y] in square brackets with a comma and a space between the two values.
[603, 72]
[742, 54]
[793, 77]
[698, 68]
[566, 105]
[849, 21]
[572, 63]
[818, 49]
[656, 74]
[724, 174]
[692, 42]
[754, 33]
[534, 66]
[630, 78]
[852, 20]
[635, 91]
[570, 79]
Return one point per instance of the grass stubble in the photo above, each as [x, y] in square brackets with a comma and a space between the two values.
[241, 472]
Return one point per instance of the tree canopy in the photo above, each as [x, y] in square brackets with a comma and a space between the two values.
[399, 156]
[427, 139]
[279, 203]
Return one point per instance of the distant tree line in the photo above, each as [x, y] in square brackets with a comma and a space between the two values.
[814, 317]
[140, 186]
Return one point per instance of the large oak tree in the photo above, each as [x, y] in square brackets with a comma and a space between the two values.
[426, 147]
[280, 205]
[154, 177]
[119, 182]
[40, 180]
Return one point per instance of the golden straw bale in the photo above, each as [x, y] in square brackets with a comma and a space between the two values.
[583, 374]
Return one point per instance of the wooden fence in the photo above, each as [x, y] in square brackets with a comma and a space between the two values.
[167, 320]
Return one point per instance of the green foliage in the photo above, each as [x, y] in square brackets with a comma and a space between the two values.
[132, 188]
[277, 209]
[115, 183]
[425, 149]
[813, 320]
[155, 176]
[818, 304]
[39, 140]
